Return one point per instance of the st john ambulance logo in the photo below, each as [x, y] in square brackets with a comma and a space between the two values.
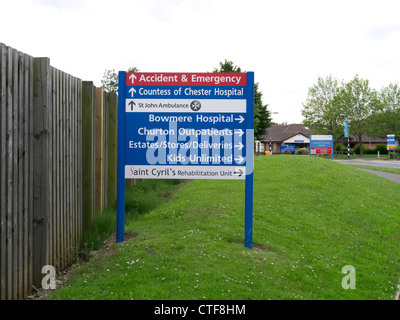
[195, 105]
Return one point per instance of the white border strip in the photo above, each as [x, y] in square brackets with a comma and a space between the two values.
[185, 172]
[183, 105]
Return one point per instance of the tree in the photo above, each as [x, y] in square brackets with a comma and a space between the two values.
[330, 102]
[110, 79]
[359, 103]
[387, 118]
[227, 66]
[321, 110]
[262, 116]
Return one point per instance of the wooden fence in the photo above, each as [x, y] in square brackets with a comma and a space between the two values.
[57, 166]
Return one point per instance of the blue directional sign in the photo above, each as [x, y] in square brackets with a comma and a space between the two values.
[197, 131]
[321, 144]
[287, 147]
[391, 142]
[186, 126]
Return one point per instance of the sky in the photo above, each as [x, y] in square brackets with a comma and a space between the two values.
[288, 44]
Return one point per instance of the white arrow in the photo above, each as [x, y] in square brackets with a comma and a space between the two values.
[132, 77]
[240, 132]
[240, 173]
[241, 119]
[240, 146]
[239, 160]
[131, 91]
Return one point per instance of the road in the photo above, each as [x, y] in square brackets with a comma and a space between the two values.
[374, 162]
[391, 164]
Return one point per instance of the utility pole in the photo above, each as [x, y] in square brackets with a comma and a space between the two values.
[270, 136]
[270, 141]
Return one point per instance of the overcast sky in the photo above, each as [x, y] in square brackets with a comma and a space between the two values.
[287, 43]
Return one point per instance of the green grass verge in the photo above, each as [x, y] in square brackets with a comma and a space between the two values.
[382, 156]
[140, 199]
[312, 217]
[379, 169]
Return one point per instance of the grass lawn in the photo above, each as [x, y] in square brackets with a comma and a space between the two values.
[312, 217]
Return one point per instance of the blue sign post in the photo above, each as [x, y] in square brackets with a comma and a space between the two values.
[287, 147]
[321, 144]
[391, 142]
[186, 126]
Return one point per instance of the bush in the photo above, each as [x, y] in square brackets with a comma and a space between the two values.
[341, 147]
[381, 148]
[303, 151]
[365, 150]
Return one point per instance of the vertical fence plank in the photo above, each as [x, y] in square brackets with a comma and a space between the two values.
[73, 178]
[57, 178]
[3, 163]
[61, 102]
[88, 100]
[62, 170]
[20, 177]
[112, 148]
[9, 189]
[50, 168]
[99, 149]
[79, 172]
[73, 168]
[67, 167]
[28, 165]
[54, 213]
[31, 175]
[67, 180]
[106, 105]
[40, 173]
